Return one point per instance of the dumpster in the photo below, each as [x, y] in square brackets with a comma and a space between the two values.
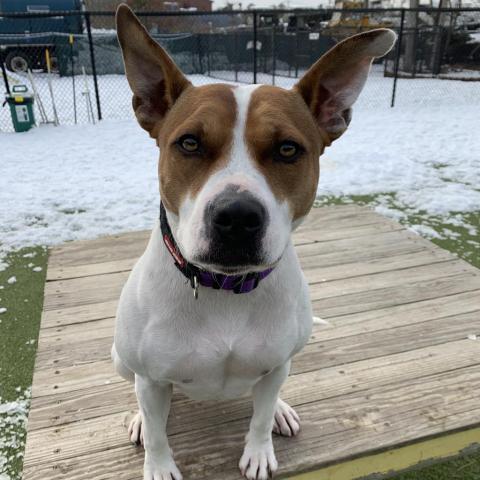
[20, 102]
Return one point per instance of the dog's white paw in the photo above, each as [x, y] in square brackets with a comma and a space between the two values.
[286, 420]
[161, 469]
[135, 430]
[258, 461]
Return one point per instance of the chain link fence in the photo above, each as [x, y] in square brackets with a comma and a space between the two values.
[436, 59]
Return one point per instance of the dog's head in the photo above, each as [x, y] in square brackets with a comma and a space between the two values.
[239, 166]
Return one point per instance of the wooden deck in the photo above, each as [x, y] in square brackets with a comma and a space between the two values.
[396, 366]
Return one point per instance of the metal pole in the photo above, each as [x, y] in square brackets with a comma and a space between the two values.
[72, 62]
[397, 57]
[37, 98]
[235, 39]
[274, 53]
[209, 43]
[92, 60]
[50, 87]
[411, 20]
[5, 78]
[254, 47]
[297, 18]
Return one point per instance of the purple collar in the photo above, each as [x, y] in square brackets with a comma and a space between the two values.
[238, 283]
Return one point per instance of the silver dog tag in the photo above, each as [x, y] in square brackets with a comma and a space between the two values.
[195, 287]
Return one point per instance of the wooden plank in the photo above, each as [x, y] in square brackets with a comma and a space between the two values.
[401, 370]
[385, 297]
[362, 244]
[383, 253]
[327, 273]
[361, 253]
[379, 340]
[120, 265]
[347, 214]
[355, 375]
[344, 326]
[77, 271]
[84, 291]
[373, 261]
[126, 259]
[87, 290]
[374, 465]
[132, 244]
[76, 377]
[78, 314]
[389, 341]
[391, 278]
[325, 307]
[75, 333]
[103, 249]
[93, 343]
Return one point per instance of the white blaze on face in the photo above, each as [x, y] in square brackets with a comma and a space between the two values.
[240, 171]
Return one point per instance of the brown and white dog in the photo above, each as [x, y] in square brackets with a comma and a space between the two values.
[238, 171]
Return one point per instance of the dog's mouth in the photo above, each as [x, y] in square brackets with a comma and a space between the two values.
[228, 264]
[234, 270]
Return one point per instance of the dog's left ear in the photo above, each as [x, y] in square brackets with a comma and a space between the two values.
[154, 78]
[334, 82]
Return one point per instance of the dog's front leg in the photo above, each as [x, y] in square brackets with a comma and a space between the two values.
[258, 461]
[154, 402]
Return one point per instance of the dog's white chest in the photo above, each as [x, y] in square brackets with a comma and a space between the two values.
[216, 362]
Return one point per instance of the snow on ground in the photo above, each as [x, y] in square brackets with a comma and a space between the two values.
[75, 182]
[13, 420]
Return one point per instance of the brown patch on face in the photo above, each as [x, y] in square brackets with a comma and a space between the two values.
[276, 115]
[208, 113]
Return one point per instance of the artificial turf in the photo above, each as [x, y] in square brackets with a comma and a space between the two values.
[19, 325]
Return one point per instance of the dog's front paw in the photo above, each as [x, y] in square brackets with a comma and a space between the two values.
[258, 461]
[135, 430]
[161, 469]
[286, 420]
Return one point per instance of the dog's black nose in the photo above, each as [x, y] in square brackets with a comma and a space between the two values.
[239, 219]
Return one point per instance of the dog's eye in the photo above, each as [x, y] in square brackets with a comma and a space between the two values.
[188, 143]
[287, 151]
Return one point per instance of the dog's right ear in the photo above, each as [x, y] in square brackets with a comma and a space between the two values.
[156, 81]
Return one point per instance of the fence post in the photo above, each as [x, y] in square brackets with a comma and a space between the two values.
[254, 47]
[5, 78]
[235, 42]
[209, 43]
[397, 57]
[92, 60]
[274, 54]
[297, 19]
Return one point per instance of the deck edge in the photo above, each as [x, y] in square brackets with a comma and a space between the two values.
[394, 461]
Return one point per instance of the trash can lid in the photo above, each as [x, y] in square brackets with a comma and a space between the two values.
[20, 88]
[19, 93]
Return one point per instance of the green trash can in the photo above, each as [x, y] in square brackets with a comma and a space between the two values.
[21, 108]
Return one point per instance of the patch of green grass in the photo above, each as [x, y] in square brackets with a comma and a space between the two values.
[464, 242]
[462, 468]
[22, 297]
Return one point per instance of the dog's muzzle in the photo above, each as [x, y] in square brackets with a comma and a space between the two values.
[242, 283]
[235, 223]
